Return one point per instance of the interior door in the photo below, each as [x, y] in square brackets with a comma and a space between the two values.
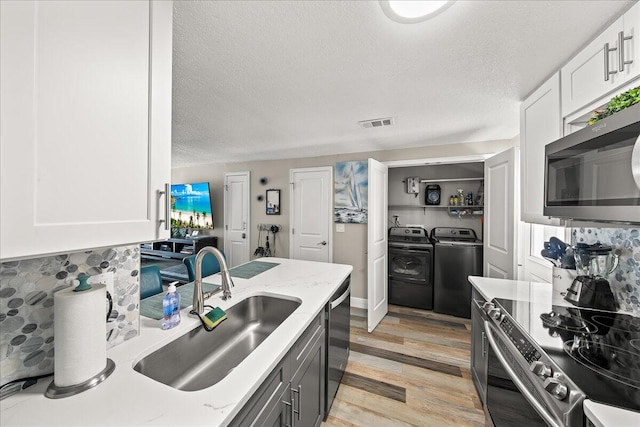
[377, 275]
[237, 237]
[311, 191]
[501, 201]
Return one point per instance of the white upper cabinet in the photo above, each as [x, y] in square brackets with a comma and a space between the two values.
[540, 124]
[86, 124]
[611, 60]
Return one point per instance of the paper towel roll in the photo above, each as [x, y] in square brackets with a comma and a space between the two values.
[80, 326]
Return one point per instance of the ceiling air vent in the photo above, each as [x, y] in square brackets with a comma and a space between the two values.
[376, 123]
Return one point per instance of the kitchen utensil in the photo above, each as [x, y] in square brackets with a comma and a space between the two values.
[559, 246]
[591, 288]
[553, 261]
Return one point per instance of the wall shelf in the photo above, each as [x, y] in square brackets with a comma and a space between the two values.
[452, 180]
[454, 210]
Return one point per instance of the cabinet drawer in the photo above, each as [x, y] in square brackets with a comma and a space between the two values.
[266, 397]
[304, 345]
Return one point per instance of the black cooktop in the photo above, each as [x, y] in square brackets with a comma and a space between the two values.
[598, 350]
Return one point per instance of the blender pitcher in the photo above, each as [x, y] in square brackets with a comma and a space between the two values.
[591, 288]
[595, 260]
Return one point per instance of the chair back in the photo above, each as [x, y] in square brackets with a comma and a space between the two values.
[150, 281]
[210, 265]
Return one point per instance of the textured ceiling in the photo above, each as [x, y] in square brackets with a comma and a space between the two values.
[259, 80]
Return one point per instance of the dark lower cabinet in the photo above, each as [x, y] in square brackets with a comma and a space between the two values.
[307, 387]
[293, 393]
[280, 414]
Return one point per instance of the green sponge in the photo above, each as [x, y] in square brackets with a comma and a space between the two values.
[214, 317]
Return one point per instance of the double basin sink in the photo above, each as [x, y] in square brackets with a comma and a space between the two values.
[199, 359]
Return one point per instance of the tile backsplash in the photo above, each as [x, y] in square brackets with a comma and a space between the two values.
[26, 304]
[625, 280]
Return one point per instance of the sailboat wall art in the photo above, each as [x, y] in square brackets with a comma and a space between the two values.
[351, 192]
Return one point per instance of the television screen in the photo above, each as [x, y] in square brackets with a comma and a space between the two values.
[191, 205]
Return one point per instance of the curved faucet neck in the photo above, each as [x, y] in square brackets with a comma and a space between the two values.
[227, 283]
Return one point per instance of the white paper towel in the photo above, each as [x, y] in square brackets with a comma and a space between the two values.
[80, 335]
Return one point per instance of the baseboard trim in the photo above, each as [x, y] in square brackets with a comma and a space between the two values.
[359, 302]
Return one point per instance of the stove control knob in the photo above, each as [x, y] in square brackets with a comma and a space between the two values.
[495, 313]
[541, 369]
[556, 388]
[487, 306]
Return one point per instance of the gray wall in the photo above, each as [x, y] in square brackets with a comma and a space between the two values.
[349, 247]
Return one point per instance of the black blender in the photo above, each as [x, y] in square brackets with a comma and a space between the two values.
[591, 288]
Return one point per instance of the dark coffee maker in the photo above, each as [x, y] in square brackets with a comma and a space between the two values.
[591, 288]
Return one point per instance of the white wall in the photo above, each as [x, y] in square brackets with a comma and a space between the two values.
[349, 247]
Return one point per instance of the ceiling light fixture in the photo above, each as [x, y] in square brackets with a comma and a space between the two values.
[409, 12]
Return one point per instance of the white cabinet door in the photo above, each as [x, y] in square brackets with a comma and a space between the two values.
[596, 71]
[540, 124]
[86, 124]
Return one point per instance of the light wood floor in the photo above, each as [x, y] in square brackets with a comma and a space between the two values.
[413, 370]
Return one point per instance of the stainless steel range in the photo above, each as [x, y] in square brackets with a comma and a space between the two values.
[556, 356]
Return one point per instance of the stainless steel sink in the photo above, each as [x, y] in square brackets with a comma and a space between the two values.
[199, 359]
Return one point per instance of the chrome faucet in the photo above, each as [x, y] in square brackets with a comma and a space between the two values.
[227, 283]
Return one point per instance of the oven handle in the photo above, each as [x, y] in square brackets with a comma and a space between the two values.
[548, 418]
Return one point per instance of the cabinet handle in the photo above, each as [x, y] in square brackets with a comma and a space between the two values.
[608, 50]
[484, 344]
[299, 411]
[289, 405]
[167, 206]
[621, 61]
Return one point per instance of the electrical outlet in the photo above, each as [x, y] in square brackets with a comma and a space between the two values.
[339, 228]
[104, 278]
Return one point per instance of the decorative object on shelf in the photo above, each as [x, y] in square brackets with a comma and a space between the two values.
[273, 202]
[351, 195]
[263, 180]
[432, 195]
[413, 186]
[617, 103]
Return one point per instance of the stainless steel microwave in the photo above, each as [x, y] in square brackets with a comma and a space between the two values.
[594, 174]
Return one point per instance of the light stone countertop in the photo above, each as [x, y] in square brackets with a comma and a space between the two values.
[128, 398]
[600, 415]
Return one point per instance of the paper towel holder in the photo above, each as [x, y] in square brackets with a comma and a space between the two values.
[56, 392]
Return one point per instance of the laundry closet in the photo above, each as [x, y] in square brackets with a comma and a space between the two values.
[435, 235]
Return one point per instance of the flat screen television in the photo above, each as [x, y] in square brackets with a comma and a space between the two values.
[191, 205]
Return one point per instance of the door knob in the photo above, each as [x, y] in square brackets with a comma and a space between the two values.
[323, 243]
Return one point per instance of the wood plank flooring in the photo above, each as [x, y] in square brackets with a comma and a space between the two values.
[413, 370]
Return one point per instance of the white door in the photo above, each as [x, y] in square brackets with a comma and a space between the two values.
[501, 202]
[236, 218]
[311, 213]
[377, 277]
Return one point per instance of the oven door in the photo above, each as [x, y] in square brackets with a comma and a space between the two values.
[410, 264]
[510, 401]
